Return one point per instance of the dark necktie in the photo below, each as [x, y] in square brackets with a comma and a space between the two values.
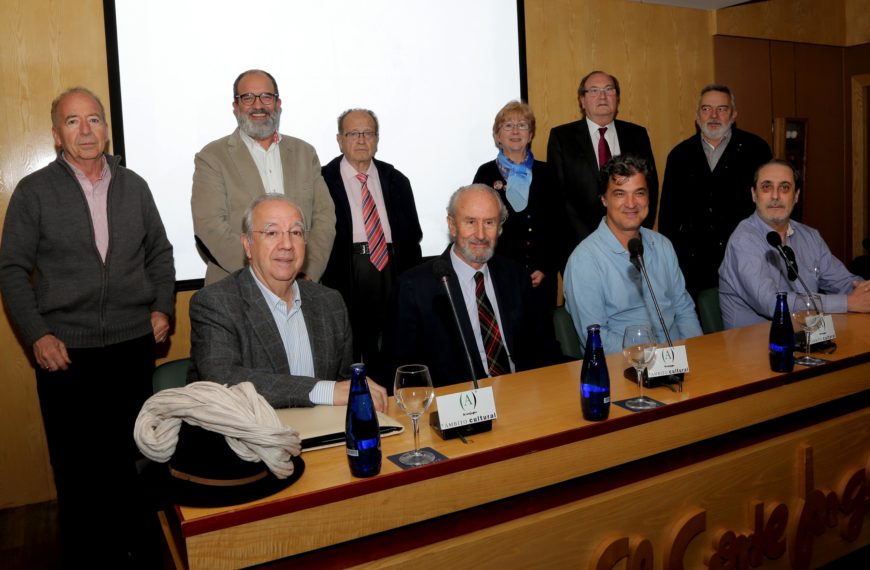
[496, 354]
[378, 254]
[603, 148]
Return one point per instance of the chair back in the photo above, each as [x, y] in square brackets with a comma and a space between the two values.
[709, 311]
[171, 374]
[566, 334]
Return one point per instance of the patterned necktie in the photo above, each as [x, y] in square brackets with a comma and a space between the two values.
[603, 148]
[378, 254]
[496, 355]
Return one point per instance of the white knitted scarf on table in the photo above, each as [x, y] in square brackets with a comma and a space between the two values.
[250, 425]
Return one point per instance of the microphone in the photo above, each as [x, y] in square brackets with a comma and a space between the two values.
[442, 270]
[775, 240]
[635, 250]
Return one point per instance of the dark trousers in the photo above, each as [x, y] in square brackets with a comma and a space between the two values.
[367, 306]
[88, 412]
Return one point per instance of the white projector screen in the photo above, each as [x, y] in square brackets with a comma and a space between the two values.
[435, 73]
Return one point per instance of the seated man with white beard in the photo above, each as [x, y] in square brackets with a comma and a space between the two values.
[493, 298]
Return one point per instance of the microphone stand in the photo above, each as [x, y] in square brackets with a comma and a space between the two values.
[442, 271]
[635, 248]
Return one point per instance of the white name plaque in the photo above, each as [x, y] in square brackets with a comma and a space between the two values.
[669, 360]
[464, 408]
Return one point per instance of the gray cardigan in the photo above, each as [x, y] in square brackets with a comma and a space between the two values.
[52, 277]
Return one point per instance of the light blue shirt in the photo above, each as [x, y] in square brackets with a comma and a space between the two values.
[603, 287]
[294, 334]
[753, 271]
[465, 275]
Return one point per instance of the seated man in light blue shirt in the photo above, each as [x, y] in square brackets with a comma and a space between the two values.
[601, 284]
[753, 271]
[291, 338]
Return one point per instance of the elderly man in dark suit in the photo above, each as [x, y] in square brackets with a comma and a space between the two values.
[504, 330]
[377, 232]
[577, 151]
[290, 337]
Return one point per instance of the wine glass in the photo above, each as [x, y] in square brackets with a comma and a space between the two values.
[414, 392]
[808, 315]
[639, 349]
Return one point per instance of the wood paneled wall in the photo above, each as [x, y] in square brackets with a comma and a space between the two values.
[662, 56]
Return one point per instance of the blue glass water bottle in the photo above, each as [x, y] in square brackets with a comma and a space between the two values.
[781, 340]
[362, 433]
[594, 378]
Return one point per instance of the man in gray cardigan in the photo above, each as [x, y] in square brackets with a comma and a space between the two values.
[88, 280]
[290, 337]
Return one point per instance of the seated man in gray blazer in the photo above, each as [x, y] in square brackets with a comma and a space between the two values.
[290, 337]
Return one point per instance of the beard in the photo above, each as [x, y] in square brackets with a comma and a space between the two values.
[718, 134]
[255, 129]
[469, 255]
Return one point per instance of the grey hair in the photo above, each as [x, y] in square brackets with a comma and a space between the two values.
[368, 111]
[502, 209]
[721, 89]
[55, 120]
[248, 218]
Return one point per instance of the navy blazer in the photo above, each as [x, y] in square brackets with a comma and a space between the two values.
[421, 328]
[235, 339]
[573, 163]
[401, 213]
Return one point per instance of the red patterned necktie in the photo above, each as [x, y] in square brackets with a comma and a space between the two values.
[603, 148]
[496, 355]
[378, 254]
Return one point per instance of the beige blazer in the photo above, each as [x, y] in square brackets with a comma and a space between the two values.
[225, 181]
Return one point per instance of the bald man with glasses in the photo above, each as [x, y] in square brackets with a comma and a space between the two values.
[256, 159]
[377, 232]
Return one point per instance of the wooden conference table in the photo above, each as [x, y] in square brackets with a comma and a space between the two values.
[743, 456]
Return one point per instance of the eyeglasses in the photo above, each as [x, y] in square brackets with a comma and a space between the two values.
[721, 109]
[367, 135]
[521, 126]
[265, 98]
[596, 91]
[275, 235]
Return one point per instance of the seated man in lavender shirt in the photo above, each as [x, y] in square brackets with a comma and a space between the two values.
[753, 271]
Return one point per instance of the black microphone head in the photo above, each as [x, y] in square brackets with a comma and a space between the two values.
[441, 268]
[774, 239]
[635, 247]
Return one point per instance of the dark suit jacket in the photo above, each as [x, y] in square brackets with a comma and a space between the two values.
[528, 237]
[700, 208]
[234, 338]
[573, 162]
[421, 329]
[401, 213]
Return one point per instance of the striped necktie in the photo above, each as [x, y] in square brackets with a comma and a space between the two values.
[496, 354]
[378, 254]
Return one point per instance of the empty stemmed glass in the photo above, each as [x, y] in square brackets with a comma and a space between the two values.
[639, 349]
[414, 392]
[809, 315]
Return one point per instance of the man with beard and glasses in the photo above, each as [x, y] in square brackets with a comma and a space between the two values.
[753, 271]
[254, 160]
[705, 192]
[504, 331]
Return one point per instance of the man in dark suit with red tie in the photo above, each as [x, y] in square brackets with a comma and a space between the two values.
[377, 232]
[492, 295]
[577, 151]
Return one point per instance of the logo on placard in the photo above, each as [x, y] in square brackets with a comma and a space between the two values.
[468, 401]
[668, 355]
